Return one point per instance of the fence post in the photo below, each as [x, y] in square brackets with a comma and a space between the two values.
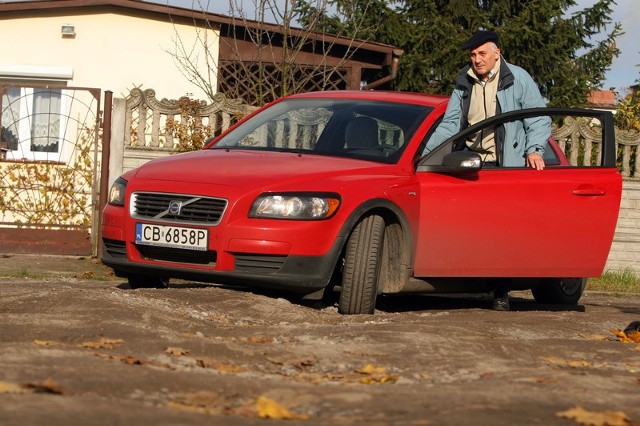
[104, 167]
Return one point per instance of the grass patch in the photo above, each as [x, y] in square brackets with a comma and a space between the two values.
[627, 281]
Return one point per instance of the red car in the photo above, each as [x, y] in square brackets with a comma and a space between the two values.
[330, 191]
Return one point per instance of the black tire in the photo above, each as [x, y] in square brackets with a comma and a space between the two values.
[361, 267]
[559, 291]
[147, 281]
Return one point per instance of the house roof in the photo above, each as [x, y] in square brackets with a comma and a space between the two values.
[165, 12]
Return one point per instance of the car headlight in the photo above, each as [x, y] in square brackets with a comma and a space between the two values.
[116, 194]
[295, 206]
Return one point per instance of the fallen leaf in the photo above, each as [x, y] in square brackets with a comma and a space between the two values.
[48, 386]
[256, 339]
[222, 367]
[176, 351]
[8, 387]
[203, 402]
[270, 409]
[46, 343]
[545, 379]
[593, 418]
[627, 337]
[89, 275]
[221, 318]
[133, 360]
[568, 363]
[375, 375]
[102, 343]
[370, 369]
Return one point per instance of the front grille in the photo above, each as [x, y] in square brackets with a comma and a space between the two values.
[115, 248]
[178, 255]
[259, 264]
[192, 208]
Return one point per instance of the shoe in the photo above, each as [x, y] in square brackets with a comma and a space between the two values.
[501, 304]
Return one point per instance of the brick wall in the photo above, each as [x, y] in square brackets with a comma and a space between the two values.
[625, 250]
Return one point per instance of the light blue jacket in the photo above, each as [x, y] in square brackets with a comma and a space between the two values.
[514, 140]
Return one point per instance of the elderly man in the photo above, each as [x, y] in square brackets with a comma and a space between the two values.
[489, 86]
[486, 87]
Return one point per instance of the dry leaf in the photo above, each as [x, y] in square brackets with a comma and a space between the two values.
[134, 361]
[102, 343]
[593, 418]
[176, 351]
[48, 386]
[203, 402]
[8, 387]
[627, 337]
[46, 343]
[545, 379]
[222, 367]
[88, 275]
[131, 360]
[375, 375]
[269, 409]
[255, 339]
[370, 369]
[568, 363]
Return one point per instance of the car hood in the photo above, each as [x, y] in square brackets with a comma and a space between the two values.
[243, 168]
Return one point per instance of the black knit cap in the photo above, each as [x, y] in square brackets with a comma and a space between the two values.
[480, 38]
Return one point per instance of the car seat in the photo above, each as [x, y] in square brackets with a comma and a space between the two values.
[361, 133]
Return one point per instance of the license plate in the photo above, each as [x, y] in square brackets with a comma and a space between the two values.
[172, 236]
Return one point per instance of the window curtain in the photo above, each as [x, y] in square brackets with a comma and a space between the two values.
[10, 117]
[45, 127]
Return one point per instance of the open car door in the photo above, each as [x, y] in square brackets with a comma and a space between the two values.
[520, 222]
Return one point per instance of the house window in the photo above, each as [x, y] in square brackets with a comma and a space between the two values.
[45, 125]
[32, 124]
[10, 117]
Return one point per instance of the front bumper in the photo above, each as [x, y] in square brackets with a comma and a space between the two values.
[299, 274]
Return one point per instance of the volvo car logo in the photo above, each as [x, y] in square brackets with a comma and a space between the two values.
[175, 207]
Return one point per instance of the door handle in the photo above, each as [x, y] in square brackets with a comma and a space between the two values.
[597, 192]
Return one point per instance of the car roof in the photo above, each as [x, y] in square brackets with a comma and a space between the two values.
[377, 95]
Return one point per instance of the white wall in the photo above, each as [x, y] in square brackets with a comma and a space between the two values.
[110, 51]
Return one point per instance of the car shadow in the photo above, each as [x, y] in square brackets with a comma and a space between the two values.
[428, 302]
[390, 303]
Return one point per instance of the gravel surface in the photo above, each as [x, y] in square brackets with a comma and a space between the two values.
[77, 346]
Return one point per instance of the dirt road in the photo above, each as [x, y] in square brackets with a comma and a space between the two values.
[76, 348]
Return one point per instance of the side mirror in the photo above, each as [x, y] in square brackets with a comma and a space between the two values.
[463, 161]
[455, 163]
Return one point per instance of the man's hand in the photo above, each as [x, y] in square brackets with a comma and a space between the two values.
[535, 161]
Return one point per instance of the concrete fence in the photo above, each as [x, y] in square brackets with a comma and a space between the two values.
[625, 250]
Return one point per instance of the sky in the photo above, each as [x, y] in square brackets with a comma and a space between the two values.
[624, 70]
[623, 73]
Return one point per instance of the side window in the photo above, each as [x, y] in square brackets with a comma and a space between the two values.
[572, 137]
[581, 141]
[426, 138]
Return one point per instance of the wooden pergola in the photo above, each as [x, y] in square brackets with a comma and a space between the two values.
[253, 51]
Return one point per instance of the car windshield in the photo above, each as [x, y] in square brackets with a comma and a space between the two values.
[364, 129]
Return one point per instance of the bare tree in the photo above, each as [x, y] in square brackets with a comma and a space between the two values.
[269, 54]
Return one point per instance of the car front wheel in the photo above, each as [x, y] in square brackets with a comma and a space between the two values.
[361, 267]
[147, 281]
[559, 291]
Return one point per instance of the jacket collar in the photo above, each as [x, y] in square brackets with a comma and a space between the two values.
[465, 82]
